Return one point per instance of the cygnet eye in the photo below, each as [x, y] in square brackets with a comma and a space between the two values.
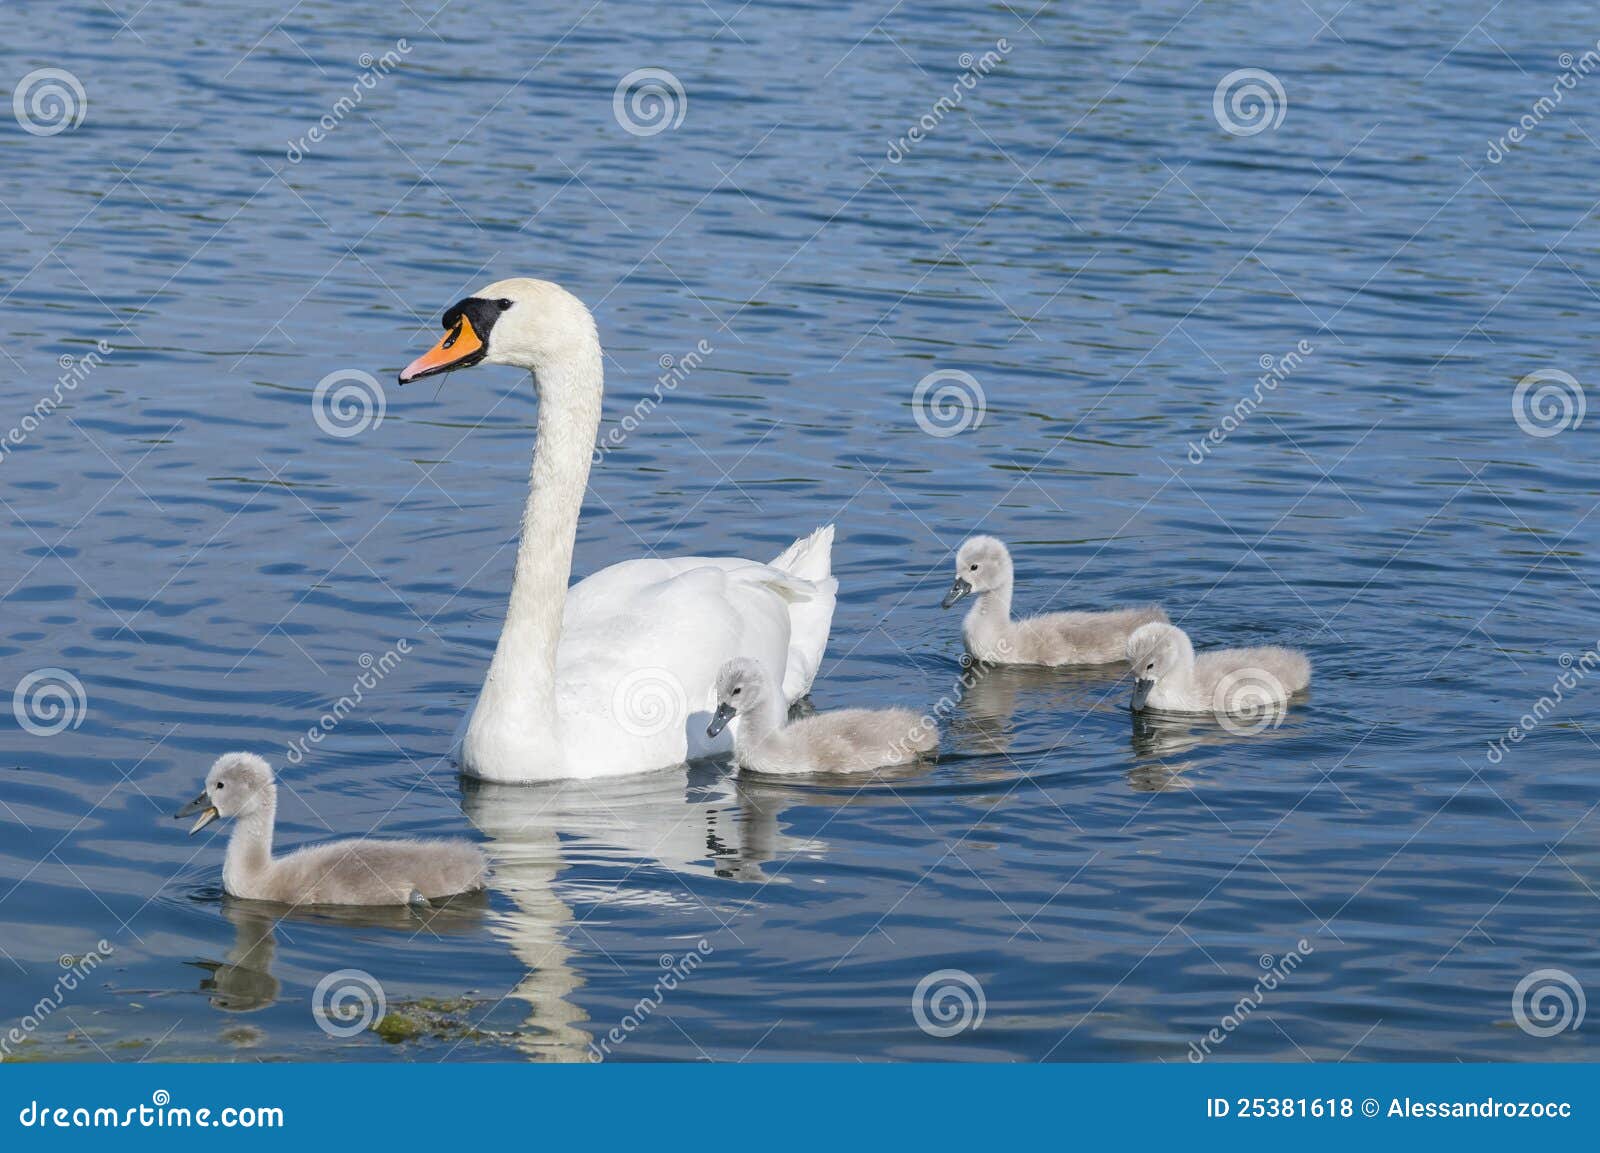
[974, 568]
[1149, 666]
[736, 692]
[222, 784]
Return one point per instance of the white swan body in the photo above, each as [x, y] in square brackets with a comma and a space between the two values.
[616, 674]
[983, 571]
[841, 741]
[353, 872]
[1169, 677]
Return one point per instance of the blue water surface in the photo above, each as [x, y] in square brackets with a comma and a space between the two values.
[1086, 224]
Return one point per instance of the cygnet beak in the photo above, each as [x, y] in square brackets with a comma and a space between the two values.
[719, 720]
[1141, 693]
[202, 805]
[957, 590]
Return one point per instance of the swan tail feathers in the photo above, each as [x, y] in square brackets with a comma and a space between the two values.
[810, 621]
[810, 557]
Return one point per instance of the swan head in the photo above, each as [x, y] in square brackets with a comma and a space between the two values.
[983, 564]
[1156, 650]
[521, 322]
[741, 686]
[238, 784]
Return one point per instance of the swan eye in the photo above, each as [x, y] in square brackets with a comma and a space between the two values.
[736, 692]
[973, 568]
[1149, 666]
[503, 303]
[222, 784]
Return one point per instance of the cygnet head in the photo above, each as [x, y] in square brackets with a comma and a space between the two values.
[1156, 650]
[521, 322]
[741, 687]
[237, 785]
[982, 564]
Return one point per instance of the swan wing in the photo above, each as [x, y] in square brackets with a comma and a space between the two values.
[640, 650]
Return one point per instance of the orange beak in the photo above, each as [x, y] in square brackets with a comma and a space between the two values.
[458, 348]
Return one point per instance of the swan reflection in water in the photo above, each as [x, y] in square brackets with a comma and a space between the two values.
[698, 822]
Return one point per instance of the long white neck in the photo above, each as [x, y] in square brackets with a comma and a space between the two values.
[522, 676]
[249, 853]
[758, 723]
[988, 620]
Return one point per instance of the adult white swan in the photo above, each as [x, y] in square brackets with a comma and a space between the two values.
[615, 675]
